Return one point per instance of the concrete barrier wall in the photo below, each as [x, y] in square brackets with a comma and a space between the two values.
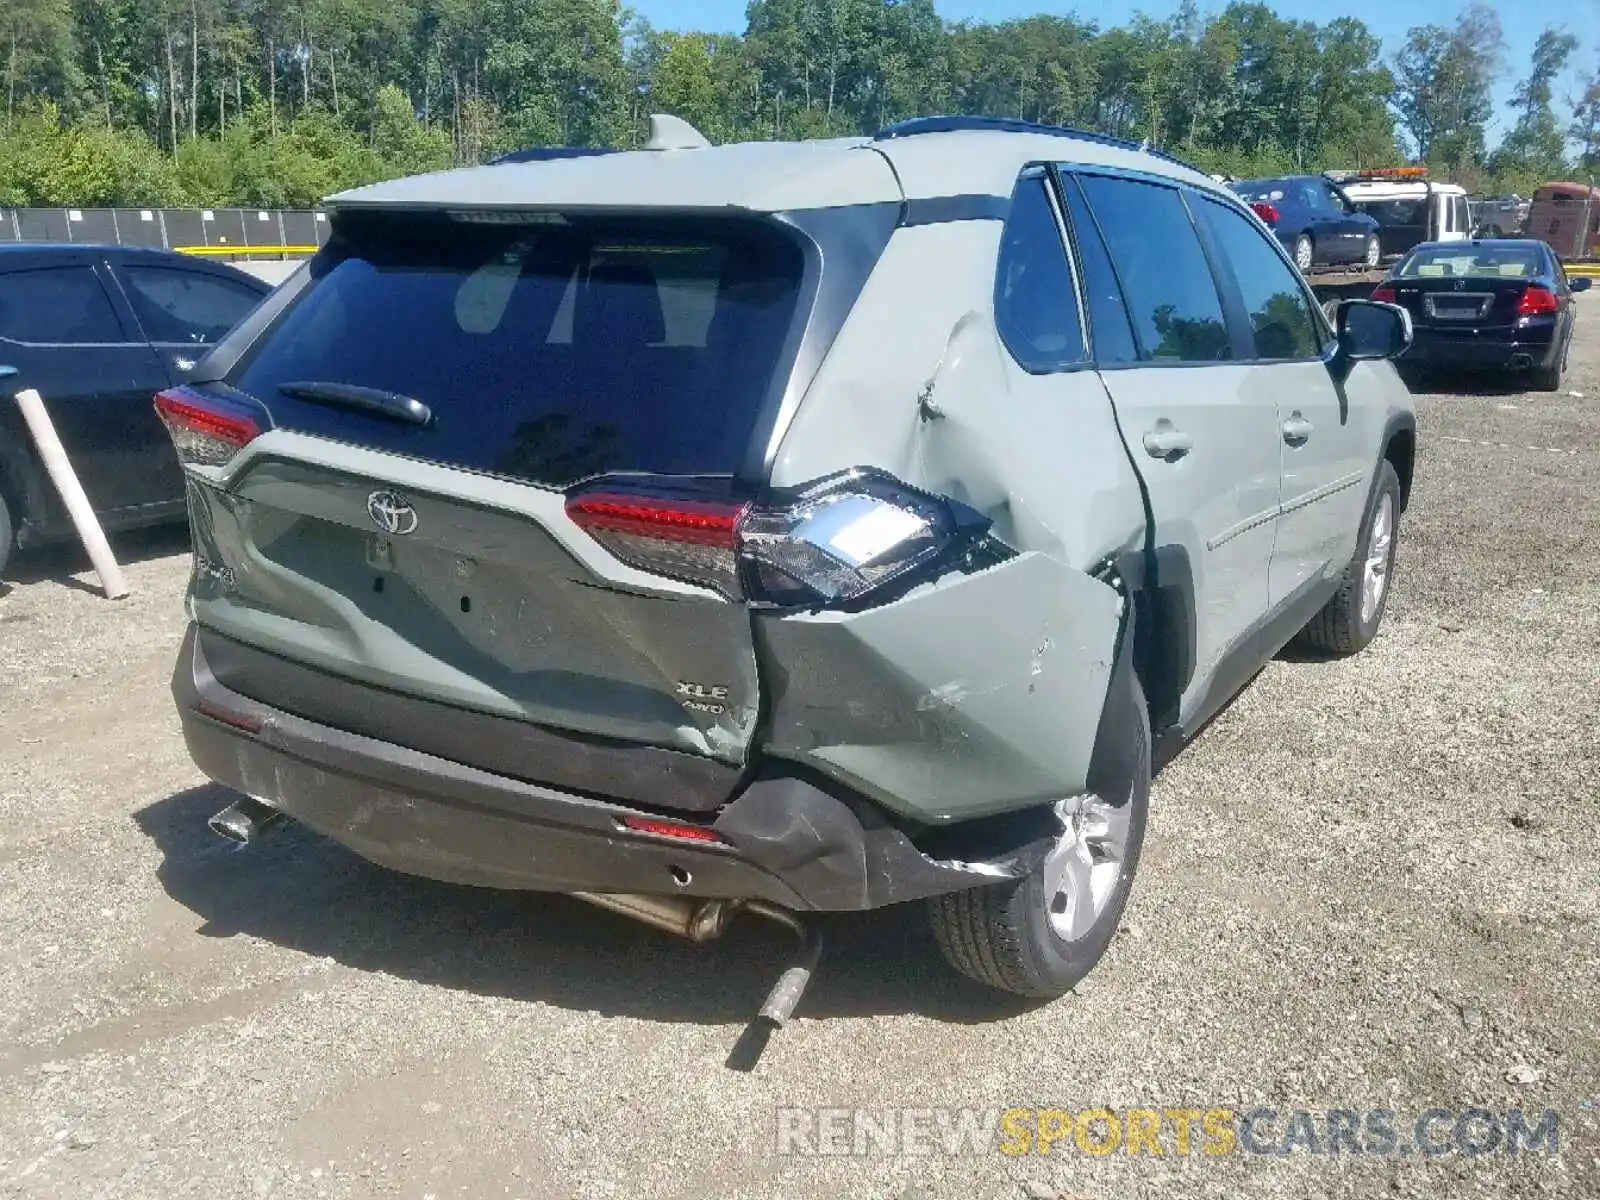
[229, 234]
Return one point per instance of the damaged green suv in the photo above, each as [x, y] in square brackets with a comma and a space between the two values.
[777, 528]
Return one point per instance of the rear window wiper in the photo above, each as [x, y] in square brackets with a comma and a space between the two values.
[363, 399]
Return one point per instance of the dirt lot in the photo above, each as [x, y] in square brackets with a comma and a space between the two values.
[1371, 884]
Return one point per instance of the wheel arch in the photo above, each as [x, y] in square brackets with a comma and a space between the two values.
[1161, 593]
[1400, 450]
[21, 486]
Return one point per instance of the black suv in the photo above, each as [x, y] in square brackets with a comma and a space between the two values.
[97, 331]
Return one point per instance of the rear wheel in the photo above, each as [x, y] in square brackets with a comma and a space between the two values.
[1373, 253]
[1349, 621]
[1303, 252]
[1548, 379]
[1041, 934]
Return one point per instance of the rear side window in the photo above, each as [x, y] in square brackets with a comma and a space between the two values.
[57, 306]
[1177, 314]
[1280, 315]
[185, 306]
[1036, 311]
[1108, 313]
[550, 350]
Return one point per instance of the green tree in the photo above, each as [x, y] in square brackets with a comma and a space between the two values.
[280, 101]
[1535, 149]
[1585, 127]
[1443, 80]
[36, 38]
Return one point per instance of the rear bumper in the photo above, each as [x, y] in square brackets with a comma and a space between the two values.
[1491, 349]
[783, 838]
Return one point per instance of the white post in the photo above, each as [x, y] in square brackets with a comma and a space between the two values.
[61, 474]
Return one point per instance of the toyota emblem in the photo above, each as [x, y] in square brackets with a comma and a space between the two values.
[391, 513]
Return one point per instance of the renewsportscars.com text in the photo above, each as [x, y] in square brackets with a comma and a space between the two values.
[1179, 1130]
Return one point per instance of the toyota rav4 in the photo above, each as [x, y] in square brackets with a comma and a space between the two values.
[778, 528]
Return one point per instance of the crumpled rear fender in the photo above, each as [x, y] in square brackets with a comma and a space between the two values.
[976, 694]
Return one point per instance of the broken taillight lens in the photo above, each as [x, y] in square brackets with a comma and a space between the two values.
[841, 539]
[204, 433]
[833, 542]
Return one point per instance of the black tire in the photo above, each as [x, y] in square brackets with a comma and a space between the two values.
[1340, 628]
[8, 537]
[1548, 379]
[1001, 935]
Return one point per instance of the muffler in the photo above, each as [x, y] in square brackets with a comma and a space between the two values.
[703, 920]
[245, 820]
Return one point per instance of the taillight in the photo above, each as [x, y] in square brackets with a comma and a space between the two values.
[831, 543]
[1265, 211]
[685, 538]
[843, 538]
[1537, 301]
[204, 433]
[1383, 293]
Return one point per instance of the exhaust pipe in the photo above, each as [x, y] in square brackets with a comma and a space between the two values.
[245, 820]
[703, 920]
[697, 920]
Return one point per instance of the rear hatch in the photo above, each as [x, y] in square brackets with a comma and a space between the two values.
[400, 523]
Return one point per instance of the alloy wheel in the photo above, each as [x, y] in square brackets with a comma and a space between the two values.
[1375, 572]
[1082, 869]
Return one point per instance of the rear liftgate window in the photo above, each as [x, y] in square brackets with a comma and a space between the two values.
[550, 349]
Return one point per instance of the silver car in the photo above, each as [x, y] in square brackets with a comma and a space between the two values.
[778, 528]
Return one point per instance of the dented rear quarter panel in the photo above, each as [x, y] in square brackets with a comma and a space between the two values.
[976, 693]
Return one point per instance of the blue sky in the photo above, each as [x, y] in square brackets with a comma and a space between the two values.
[1389, 19]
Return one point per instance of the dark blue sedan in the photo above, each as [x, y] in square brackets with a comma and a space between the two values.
[1314, 220]
[98, 331]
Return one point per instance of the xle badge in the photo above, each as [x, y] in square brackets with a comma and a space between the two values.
[702, 697]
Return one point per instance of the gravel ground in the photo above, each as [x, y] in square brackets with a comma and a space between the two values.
[1371, 884]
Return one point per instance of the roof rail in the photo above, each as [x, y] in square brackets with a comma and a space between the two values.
[959, 124]
[542, 153]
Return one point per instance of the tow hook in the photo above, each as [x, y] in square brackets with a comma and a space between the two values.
[703, 920]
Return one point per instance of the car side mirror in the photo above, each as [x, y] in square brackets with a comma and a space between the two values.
[1580, 284]
[1369, 329]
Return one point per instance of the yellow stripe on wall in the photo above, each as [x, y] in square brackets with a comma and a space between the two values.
[246, 249]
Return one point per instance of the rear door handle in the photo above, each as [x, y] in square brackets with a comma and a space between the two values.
[1297, 430]
[1166, 442]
